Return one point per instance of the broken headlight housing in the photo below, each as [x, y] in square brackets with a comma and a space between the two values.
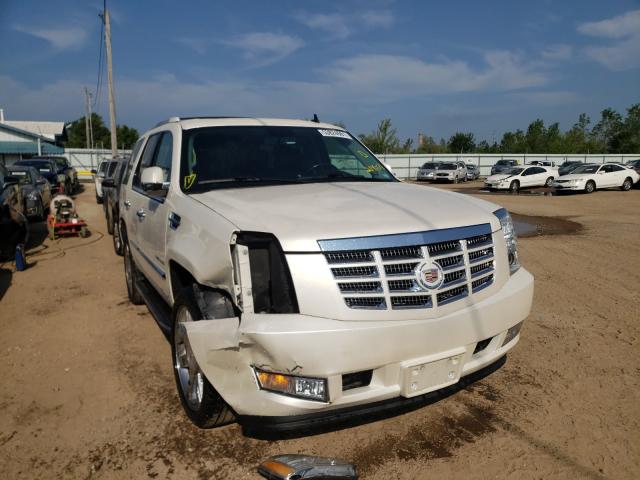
[510, 238]
[261, 274]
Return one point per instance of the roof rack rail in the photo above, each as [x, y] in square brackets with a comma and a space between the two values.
[168, 120]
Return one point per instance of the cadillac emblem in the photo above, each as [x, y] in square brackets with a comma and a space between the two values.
[429, 275]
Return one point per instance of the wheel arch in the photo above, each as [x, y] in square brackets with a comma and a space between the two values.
[181, 277]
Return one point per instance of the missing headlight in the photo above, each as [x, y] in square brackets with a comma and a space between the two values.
[271, 285]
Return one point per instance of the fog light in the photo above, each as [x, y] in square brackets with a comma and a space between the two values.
[303, 387]
[512, 333]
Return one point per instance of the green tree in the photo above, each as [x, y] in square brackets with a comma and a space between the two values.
[384, 139]
[604, 133]
[429, 145]
[77, 138]
[513, 142]
[462, 143]
[628, 138]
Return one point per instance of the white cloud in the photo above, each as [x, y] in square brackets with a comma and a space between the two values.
[335, 24]
[357, 83]
[264, 48]
[624, 32]
[621, 26]
[557, 52]
[60, 38]
[342, 25]
[198, 45]
[384, 19]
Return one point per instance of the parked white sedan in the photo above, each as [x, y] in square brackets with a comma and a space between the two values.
[590, 177]
[521, 177]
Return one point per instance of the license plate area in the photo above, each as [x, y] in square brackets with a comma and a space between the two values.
[428, 374]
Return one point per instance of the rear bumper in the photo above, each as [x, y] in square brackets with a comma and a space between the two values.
[326, 348]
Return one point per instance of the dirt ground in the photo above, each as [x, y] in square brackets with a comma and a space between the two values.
[87, 388]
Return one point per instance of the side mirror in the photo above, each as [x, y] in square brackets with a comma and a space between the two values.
[107, 182]
[10, 180]
[100, 174]
[153, 181]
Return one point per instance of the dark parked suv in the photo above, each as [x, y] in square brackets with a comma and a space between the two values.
[503, 165]
[111, 196]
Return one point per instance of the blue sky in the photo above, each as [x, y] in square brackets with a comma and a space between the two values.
[431, 66]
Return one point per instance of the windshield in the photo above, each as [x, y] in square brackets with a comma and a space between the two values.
[43, 167]
[471, 167]
[23, 175]
[225, 157]
[505, 162]
[448, 166]
[513, 171]
[587, 169]
[429, 166]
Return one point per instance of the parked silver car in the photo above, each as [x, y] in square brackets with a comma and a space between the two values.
[443, 171]
[473, 172]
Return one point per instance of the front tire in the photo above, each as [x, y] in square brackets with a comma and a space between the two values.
[626, 185]
[590, 187]
[201, 402]
[131, 276]
[515, 186]
[98, 199]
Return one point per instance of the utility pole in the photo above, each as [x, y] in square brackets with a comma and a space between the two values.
[86, 117]
[112, 100]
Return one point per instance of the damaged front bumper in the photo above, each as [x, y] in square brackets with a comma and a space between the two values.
[405, 358]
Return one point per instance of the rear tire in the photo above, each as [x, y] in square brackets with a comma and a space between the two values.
[590, 187]
[549, 182]
[626, 185]
[98, 199]
[201, 402]
[515, 186]
[131, 275]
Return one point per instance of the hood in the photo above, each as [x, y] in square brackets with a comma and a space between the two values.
[497, 178]
[575, 176]
[300, 215]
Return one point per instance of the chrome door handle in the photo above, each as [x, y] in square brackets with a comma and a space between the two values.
[127, 204]
[141, 213]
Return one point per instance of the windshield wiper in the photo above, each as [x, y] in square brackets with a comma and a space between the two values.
[249, 180]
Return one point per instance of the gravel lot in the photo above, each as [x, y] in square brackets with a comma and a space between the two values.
[87, 388]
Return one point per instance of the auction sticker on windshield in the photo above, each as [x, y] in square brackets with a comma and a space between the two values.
[334, 133]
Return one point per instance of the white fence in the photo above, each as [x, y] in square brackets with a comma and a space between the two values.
[85, 160]
[407, 166]
[404, 166]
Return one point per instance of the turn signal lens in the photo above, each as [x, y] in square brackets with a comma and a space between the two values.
[302, 387]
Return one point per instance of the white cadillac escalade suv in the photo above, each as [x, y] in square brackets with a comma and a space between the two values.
[299, 281]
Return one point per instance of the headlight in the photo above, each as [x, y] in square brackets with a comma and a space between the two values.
[303, 387]
[61, 178]
[262, 278]
[510, 238]
[430, 174]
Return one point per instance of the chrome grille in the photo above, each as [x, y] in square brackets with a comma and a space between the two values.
[380, 272]
[346, 272]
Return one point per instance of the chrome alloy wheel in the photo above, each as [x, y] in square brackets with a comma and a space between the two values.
[189, 374]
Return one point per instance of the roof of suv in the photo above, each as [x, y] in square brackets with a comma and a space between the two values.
[199, 122]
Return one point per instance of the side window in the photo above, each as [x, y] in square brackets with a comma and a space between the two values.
[615, 168]
[147, 157]
[528, 171]
[163, 155]
[132, 160]
[606, 168]
[103, 167]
